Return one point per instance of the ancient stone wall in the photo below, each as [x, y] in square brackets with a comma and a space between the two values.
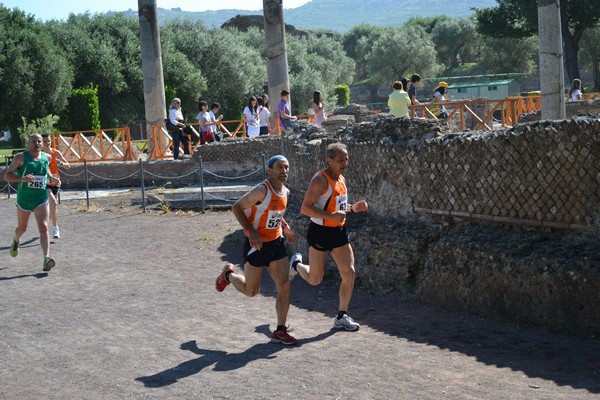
[542, 174]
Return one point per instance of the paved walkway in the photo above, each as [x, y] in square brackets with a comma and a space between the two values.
[130, 311]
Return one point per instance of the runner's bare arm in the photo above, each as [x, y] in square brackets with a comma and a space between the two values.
[359, 206]
[11, 173]
[255, 196]
[287, 231]
[62, 161]
[317, 186]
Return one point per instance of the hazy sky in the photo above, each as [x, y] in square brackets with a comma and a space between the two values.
[60, 9]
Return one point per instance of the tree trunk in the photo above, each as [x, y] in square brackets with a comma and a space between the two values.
[571, 46]
[277, 65]
[596, 70]
[154, 85]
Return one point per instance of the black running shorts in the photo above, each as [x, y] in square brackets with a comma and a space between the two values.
[270, 251]
[54, 189]
[326, 238]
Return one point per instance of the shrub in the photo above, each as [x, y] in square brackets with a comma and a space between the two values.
[343, 95]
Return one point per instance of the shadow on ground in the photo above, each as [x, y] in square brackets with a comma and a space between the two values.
[568, 361]
[221, 360]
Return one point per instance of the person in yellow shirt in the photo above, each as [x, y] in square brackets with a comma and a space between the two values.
[399, 101]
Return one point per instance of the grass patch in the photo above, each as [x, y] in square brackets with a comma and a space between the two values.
[82, 207]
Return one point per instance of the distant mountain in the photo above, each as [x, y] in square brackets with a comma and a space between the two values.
[341, 15]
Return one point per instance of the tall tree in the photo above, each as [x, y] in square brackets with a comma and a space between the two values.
[456, 41]
[35, 76]
[590, 52]
[518, 18]
[105, 51]
[402, 51]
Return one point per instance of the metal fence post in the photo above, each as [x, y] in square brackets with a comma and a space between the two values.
[87, 184]
[202, 183]
[7, 183]
[143, 193]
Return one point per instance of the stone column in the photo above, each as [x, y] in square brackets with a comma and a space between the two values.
[154, 86]
[552, 75]
[277, 66]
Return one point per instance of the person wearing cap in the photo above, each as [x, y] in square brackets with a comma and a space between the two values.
[179, 129]
[260, 213]
[438, 97]
[326, 203]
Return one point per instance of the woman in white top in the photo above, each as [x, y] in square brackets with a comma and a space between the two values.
[251, 117]
[206, 124]
[264, 116]
[575, 91]
[179, 130]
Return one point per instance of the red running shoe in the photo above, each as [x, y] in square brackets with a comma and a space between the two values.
[222, 282]
[282, 336]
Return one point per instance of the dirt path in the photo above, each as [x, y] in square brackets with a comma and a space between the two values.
[131, 311]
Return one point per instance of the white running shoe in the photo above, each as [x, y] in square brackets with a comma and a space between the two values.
[295, 257]
[56, 233]
[346, 323]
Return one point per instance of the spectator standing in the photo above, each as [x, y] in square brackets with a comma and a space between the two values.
[206, 123]
[264, 117]
[575, 90]
[251, 117]
[318, 108]
[286, 119]
[215, 108]
[438, 97]
[398, 101]
[412, 89]
[179, 129]
[57, 160]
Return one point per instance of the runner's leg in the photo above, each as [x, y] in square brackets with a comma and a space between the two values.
[278, 270]
[313, 273]
[41, 216]
[344, 259]
[247, 283]
[22, 221]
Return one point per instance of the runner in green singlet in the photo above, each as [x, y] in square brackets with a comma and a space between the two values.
[30, 169]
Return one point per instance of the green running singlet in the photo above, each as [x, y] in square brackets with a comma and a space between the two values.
[33, 194]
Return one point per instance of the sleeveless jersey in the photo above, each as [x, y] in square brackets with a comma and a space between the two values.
[266, 217]
[54, 166]
[34, 192]
[335, 198]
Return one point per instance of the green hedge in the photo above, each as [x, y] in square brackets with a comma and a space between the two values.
[83, 110]
[343, 95]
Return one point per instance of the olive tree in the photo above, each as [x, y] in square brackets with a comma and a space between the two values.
[402, 51]
[35, 75]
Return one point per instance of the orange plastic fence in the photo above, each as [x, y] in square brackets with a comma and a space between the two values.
[509, 109]
[95, 145]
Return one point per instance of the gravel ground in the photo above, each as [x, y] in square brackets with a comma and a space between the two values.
[130, 311]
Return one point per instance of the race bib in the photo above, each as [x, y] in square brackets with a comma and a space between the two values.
[274, 218]
[38, 183]
[341, 202]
